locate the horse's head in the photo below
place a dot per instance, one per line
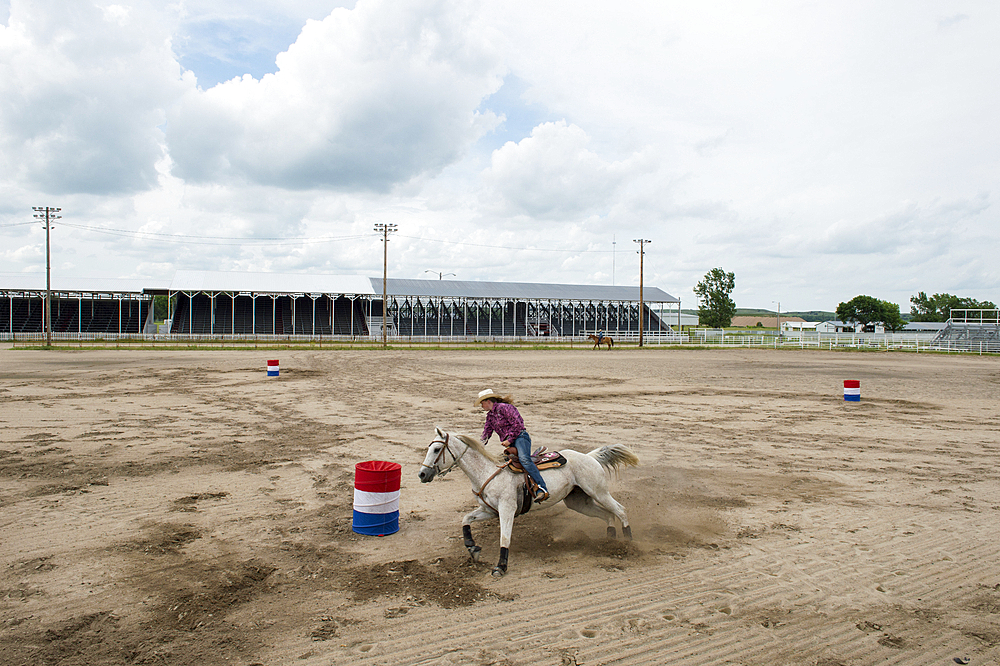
(437, 451)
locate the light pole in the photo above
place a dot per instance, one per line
(642, 253)
(385, 230)
(439, 274)
(779, 317)
(47, 214)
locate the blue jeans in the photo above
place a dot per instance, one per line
(523, 444)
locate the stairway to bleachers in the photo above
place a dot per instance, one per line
(29, 312)
(194, 315)
(304, 320)
(346, 312)
(99, 316)
(64, 315)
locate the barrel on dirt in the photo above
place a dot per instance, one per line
(272, 368)
(852, 390)
(376, 497)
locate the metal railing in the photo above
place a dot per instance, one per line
(711, 338)
(991, 317)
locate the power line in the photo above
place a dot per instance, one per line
(506, 247)
(190, 239)
(186, 239)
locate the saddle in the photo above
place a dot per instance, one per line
(543, 459)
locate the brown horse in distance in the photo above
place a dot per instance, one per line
(605, 341)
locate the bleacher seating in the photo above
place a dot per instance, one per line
(71, 315)
(562, 320)
(265, 315)
(969, 336)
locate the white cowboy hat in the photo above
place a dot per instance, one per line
(486, 395)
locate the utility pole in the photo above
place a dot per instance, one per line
(613, 259)
(642, 253)
(385, 230)
(47, 214)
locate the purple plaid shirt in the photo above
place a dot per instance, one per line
(505, 421)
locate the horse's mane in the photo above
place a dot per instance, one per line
(477, 446)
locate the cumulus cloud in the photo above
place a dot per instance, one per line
(366, 98)
(554, 174)
(68, 121)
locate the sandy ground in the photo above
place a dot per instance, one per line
(182, 508)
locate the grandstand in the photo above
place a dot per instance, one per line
(221, 304)
(971, 330)
(81, 307)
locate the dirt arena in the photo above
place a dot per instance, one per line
(182, 508)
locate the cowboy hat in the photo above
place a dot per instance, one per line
(486, 394)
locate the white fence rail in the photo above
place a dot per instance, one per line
(918, 342)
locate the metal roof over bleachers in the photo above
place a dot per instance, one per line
(271, 283)
(86, 285)
(301, 283)
(236, 282)
(519, 290)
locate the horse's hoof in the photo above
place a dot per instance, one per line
(628, 532)
(474, 553)
(498, 572)
(612, 533)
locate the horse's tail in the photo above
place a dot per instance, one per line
(613, 456)
(611, 342)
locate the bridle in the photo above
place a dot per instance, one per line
(454, 461)
(439, 459)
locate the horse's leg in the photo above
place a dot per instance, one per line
(605, 500)
(507, 510)
(471, 517)
(583, 503)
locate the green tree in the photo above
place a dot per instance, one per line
(939, 306)
(866, 310)
(860, 310)
(715, 307)
(891, 318)
(160, 307)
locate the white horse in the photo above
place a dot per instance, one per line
(582, 484)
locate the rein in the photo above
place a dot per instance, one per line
(455, 460)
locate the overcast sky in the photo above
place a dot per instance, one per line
(818, 150)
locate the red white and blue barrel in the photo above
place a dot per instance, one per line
(272, 368)
(376, 497)
(852, 390)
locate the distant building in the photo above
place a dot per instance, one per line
(796, 324)
(837, 326)
(762, 321)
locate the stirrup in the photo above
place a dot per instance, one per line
(541, 495)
